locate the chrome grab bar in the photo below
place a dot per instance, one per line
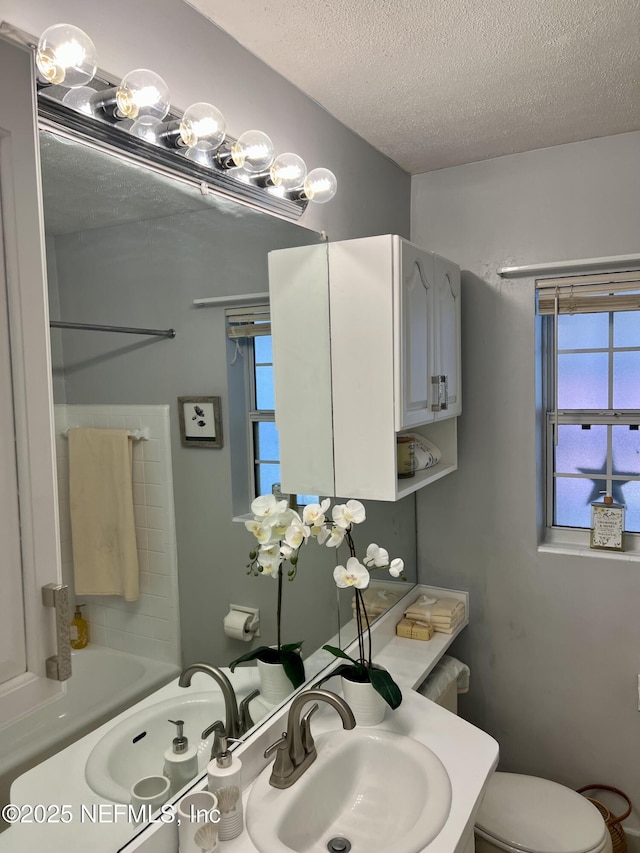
(58, 666)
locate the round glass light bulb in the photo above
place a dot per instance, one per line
(142, 93)
(252, 151)
(79, 99)
(146, 127)
(202, 153)
(202, 122)
(66, 56)
(288, 171)
(320, 185)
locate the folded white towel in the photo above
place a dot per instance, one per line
(443, 609)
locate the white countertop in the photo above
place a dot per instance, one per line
(469, 755)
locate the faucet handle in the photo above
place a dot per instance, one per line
(246, 720)
(305, 726)
(282, 766)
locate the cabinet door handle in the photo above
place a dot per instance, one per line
(439, 393)
(58, 666)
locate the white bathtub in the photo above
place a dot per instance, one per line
(104, 683)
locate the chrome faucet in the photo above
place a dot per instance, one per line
(232, 725)
(295, 750)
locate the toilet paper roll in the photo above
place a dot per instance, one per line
(236, 625)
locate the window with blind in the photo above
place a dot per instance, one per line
(250, 328)
(592, 394)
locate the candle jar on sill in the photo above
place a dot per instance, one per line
(607, 525)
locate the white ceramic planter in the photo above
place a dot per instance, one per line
(367, 704)
(275, 687)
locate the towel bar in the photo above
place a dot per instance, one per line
(136, 434)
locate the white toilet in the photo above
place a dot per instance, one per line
(526, 814)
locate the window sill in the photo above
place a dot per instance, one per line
(576, 550)
(248, 516)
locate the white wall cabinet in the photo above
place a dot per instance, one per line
(389, 339)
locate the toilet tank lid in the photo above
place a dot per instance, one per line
(539, 816)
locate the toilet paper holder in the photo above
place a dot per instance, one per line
(249, 617)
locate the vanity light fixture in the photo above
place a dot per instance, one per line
(66, 56)
(139, 106)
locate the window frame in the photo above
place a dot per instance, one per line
(255, 416)
(565, 535)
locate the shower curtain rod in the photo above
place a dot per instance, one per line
(127, 330)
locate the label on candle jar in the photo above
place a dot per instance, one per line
(406, 453)
(607, 526)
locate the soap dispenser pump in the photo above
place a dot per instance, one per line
(224, 780)
(180, 760)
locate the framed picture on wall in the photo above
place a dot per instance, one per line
(200, 421)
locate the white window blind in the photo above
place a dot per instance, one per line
(251, 321)
(589, 294)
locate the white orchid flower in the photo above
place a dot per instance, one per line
(344, 515)
(261, 530)
(296, 533)
(376, 556)
(313, 514)
(281, 521)
(354, 574)
(286, 550)
(266, 505)
(396, 567)
(336, 537)
(270, 559)
(320, 533)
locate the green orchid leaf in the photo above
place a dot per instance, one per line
(340, 654)
(293, 665)
(345, 669)
(385, 685)
(292, 647)
(254, 654)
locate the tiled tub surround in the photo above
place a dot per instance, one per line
(150, 626)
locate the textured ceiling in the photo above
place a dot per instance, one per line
(436, 83)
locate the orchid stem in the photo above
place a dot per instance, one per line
(279, 611)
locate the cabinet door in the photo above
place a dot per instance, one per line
(446, 334)
(416, 292)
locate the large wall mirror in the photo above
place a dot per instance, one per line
(129, 246)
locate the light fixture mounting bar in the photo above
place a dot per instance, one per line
(54, 112)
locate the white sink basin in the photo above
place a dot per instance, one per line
(380, 790)
(136, 746)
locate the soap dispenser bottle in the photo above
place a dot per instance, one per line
(224, 780)
(79, 630)
(180, 760)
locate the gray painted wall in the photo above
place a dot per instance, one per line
(201, 63)
(553, 640)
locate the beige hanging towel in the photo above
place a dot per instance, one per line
(103, 534)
